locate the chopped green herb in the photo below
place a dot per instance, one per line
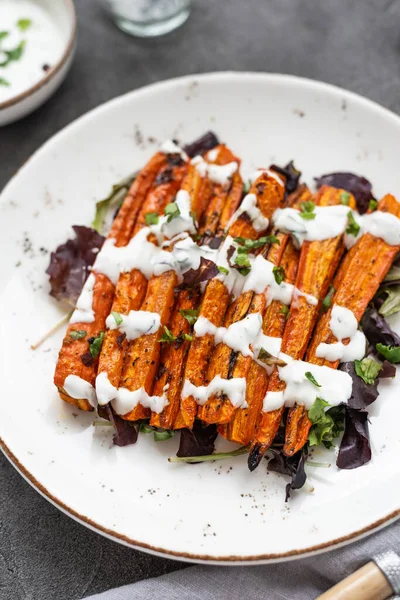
(345, 198)
(78, 334)
(279, 274)
(311, 378)
(327, 425)
(391, 353)
(14, 54)
(208, 457)
(4, 34)
(327, 301)
(172, 211)
(189, 315)
(253, 244)
(117, 317)
(144, 428)
(24, 24)
(245, 271)
(223, 270)
(162, 436)
(353, 227)
(96, 344)
(151, 218)
(367, 369)
(167, 336)
(242, 260)
(373, 205)
(285, 310)
(268, 359)
(187, 337)
(307, 210)
(4, 82)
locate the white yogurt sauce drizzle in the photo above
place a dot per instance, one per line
(179, 225)
(124, 400)
(78, 388)
(219, 174)
(83, 312)
(309, 297)
(249, 206)
(136, 323)
(234, 389)
(212, 155)
(343, 325)
(380, 224)
(336, 386)
(170, 147)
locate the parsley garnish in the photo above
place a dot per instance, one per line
(187, 337)
(367, 369)
(117, 317)
(307, 210)
(4, 82)
(24, 24)
(96, 344)
(279, 274)
(4, 34)
(311, 378)
(243, 261)
(267, 358)
(151, 218)
(373, 205)
(167, 336)
(327, 301)
(248, 244)
(189, 315)
(223, 270)
(78, 334)
(353, 227)
(345, 198)
(391, 353)
(172, 211)
(14, 54)
(285, 310)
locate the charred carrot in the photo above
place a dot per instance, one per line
(72, 350)
(216, 298)
(356, 282)
(318, 259)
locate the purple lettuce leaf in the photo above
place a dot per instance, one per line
(206, 270)
(199, 441)
(206, 142)
(359, 186)
(289, 465)
(70, 264)
(377, 330)
(363, 394)
(355, 449)
(291, 174)
(125, 432)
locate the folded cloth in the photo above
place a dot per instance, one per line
(302, 579)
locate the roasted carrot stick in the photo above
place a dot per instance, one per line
(317, 262)
(356, 282)
(172, 360)
(69, 360)
(216, 298)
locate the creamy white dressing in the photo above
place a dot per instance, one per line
(45, 41)
(261, 279)
(83, 312)
(249, 206)
(234, 389)
(220, 174)
(124, 400)
(343, 324)
(212, 155)
(329, 222)
(380, 224)
(170, 147)
(335, 386)
(309, 297)
(136, 323)
(78, 388)
(183, 223)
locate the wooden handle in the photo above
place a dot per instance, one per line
(368, 583)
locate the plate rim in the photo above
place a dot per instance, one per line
(228, 560)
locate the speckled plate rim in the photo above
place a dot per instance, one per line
(69, 49)
(339, 93)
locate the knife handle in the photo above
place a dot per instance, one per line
(368, 583)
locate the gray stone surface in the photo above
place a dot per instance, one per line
(43, 554)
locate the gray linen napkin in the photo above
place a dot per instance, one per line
(302, 579)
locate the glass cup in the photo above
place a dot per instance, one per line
(147, 18)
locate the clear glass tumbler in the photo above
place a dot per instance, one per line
(147, 18)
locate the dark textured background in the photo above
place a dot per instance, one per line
(44, 555)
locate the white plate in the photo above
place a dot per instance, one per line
(215, 512)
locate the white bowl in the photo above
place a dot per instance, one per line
(62, 15)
